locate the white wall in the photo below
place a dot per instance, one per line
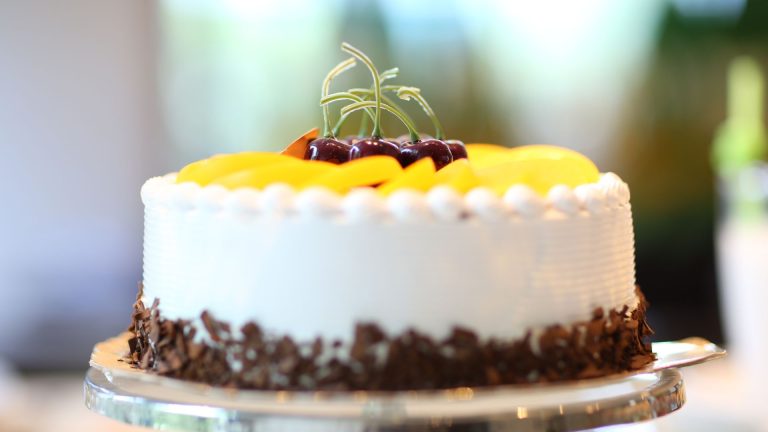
(78, 135)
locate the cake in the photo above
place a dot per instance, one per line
(368, 264)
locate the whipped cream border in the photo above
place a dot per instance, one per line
(441, 203)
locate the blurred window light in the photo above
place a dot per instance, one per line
(227, 83)
(728, 10)
(250, 10)
(240, 10)
(564, 68)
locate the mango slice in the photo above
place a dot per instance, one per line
(367, 171)
(419, 176)
(481, 151)
(203, 172)
(459, 175)
(294, 173)
(539, 167)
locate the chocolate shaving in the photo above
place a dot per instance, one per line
(611, 342)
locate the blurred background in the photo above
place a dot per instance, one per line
(96, 96)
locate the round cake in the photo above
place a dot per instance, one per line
(345, 264)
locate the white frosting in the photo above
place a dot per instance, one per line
(363, 204)
(212, 198)
(522, 200)
(563, 199)
(591, 197)
(312, 263)
(615, 190)
(445, 203)
(409, 206)
(483, 203)
(277, 199)
(317, 203)
(246, 201)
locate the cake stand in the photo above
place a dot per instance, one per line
(114, 389)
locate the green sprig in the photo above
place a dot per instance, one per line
(408, 93)
(386, 75)
(337, 70)
(367, 92)
(414, 135)
(376, 132)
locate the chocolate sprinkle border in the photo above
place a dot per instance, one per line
(613, 342)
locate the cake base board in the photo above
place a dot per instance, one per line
(117, 390)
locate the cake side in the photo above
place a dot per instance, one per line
(306, 273)
(610, 342)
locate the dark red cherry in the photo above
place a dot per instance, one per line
(435, 149)
(352, 139)
(406, 138)
(374, 147)
(328, 150)
(458, 149)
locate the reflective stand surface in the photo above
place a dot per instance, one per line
(114, 389)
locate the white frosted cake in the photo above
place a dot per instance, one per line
(365, 263)
(312, 263)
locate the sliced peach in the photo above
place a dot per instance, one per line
(298, 148)
(420, 176)
(540, 167)
(480, 150)
(367, 171)
(451, 169)
(205, 171)
(294, 173)
(459, 175)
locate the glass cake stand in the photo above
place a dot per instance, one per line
(114, 389)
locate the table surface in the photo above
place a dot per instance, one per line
(716, 402)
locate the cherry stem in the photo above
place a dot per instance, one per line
(363, 125)
(343, 119)
(385, 99)
(376, 132)
(408, 93)
(397, 113)
(386, 75)
(340, 96)
(389, 74)
(338, 69)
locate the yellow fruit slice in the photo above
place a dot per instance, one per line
(205, 171)
(451, 169)
(477, 151)
(291, 173)
(420, 176)
(459, 175)
(367, 171)
(540, 167)
(485, 159)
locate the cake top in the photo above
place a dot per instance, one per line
(414, 161)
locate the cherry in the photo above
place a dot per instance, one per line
(436, 149)
(406, 138)
(352, 139)
(458, 150)
(329, 150)
(374, 146)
